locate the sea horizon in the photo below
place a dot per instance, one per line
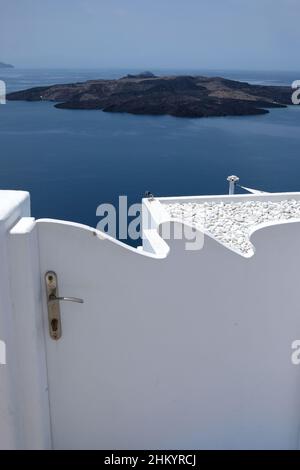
(278, 77)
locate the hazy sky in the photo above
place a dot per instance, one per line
(239, 34)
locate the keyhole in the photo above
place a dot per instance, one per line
(54, 325)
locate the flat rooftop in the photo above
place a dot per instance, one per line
(232, 222)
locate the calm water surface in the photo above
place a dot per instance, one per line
(71, 161)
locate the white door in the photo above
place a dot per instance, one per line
(160, 355)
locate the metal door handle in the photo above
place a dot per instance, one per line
(53, 300)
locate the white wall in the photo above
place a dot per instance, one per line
(24, 405)
(171, 348)
(32, 391)
(13, 205)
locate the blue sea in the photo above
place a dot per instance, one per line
(72, 161)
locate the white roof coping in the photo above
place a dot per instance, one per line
(10, 201)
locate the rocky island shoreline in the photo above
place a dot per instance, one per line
(181, 96)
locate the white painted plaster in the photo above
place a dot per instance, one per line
(171, 348)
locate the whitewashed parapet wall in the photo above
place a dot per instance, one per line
(172, 348)
(24, 409)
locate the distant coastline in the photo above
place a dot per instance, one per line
(6, 66)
